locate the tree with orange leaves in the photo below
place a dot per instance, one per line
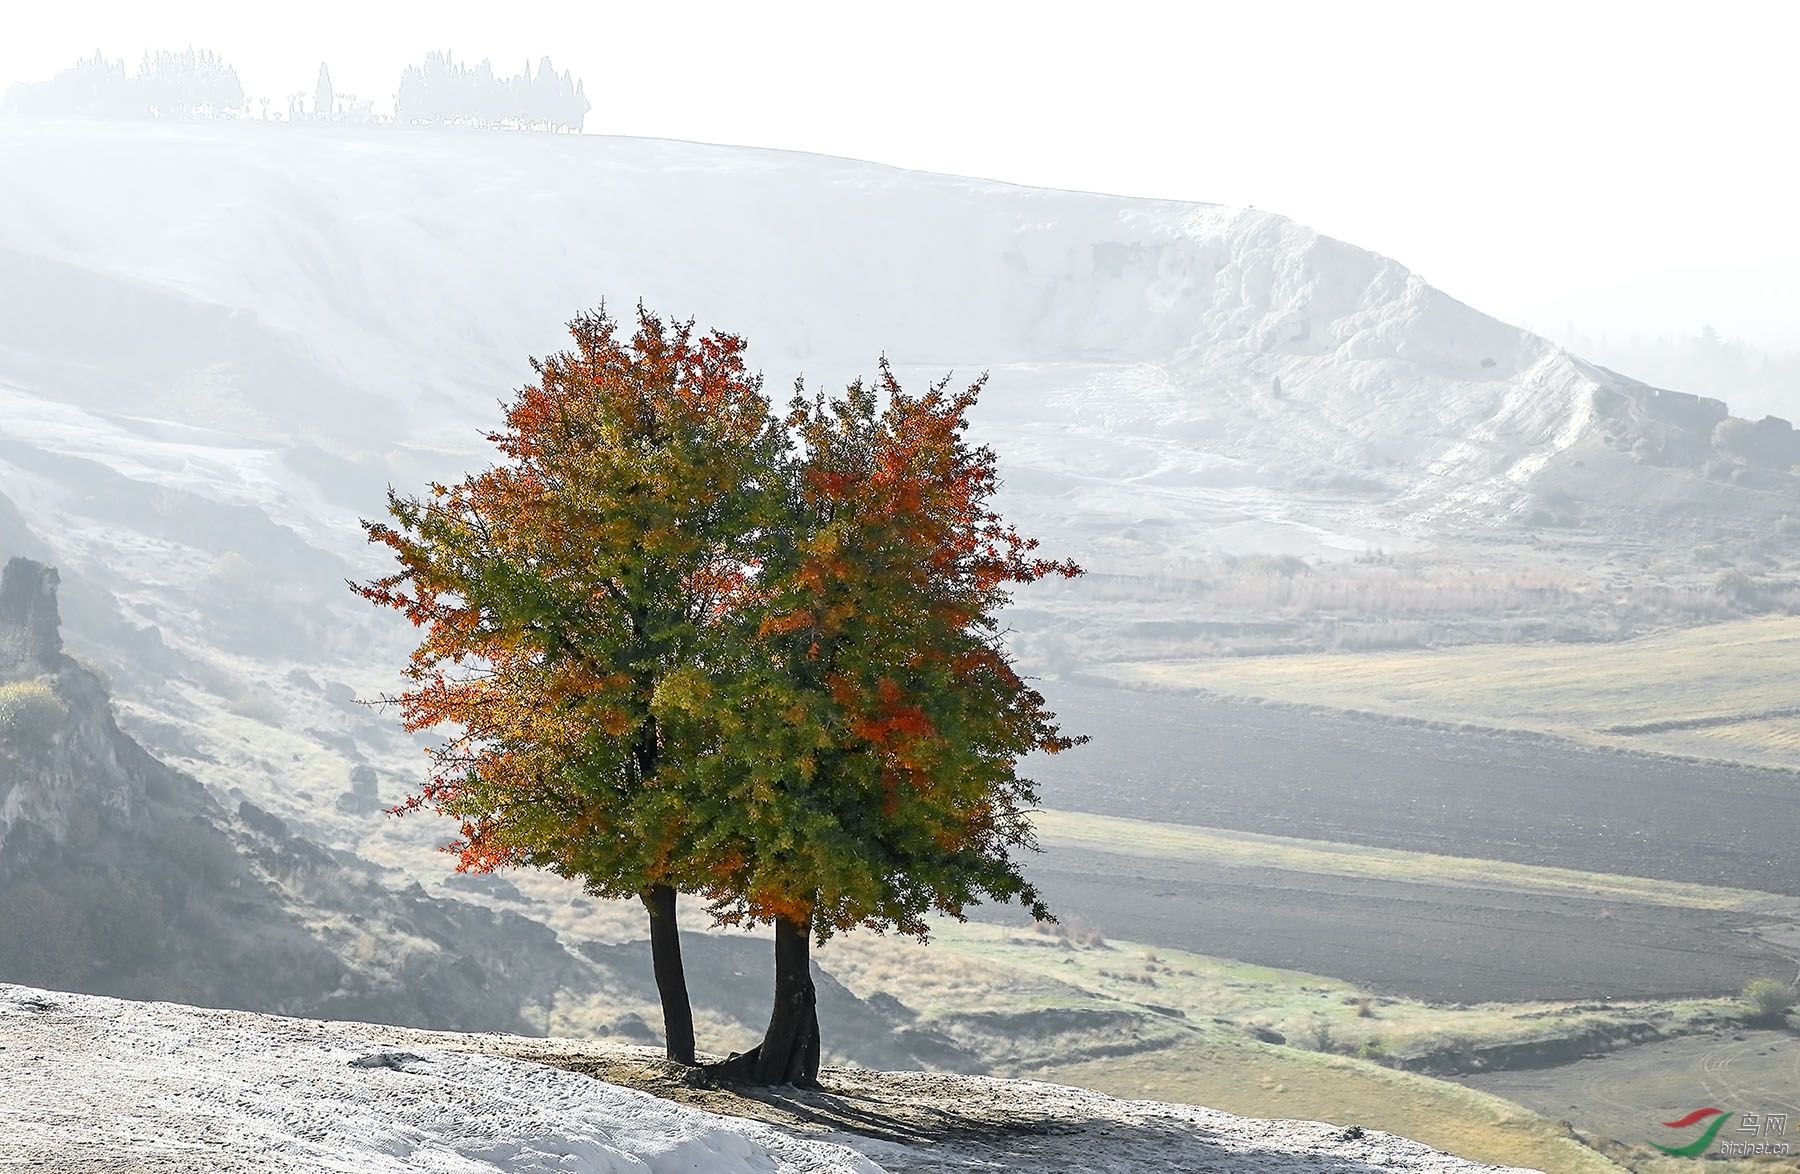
(567, 595)
(872, 735)
(686, 647)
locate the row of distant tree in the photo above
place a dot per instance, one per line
(1752, 380)
(195, 85)
(443, 91)
(167, 85)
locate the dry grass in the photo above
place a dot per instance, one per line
(1227, 999)
(1260, 1081)
(930, 978)
(1735, 674)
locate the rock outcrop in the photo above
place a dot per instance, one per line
(30, 631)
(121, 876)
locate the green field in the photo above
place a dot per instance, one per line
(1729, 691)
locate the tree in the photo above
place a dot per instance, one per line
(679, 654)
(569, 595)
(444, 91)
(169, 85)
(324, 99)
(875, 731)
(1735, 437)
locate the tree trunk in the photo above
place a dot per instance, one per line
(671, 980)
(789, 1052)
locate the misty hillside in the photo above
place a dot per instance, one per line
(325, 309)
(210, 372)
(120, 876)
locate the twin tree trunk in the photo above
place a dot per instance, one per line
(789, 1052)
(665, 938)
(671, 980)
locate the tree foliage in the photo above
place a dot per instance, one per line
(683, 645)
(568, 596)
(873, 739)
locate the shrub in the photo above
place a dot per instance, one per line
(98, 670)
(1734, 436)
(1735, 584)
(1284, 566)
(30, 709)
(1769, 1000)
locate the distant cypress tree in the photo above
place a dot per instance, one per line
(578, 110)
(546, 97)
(324, 99)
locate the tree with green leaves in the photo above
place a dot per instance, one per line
(687, 647)
(567, 594)
(875, 730)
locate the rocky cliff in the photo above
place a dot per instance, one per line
(120, 876)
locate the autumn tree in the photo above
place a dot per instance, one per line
(682, 646)
(567, 596)
(875, 725)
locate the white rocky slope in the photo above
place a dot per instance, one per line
(96, 1085)
(278, 290)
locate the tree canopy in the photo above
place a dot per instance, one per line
(684, 645)
(873, 741)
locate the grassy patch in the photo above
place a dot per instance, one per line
(1213, 1059)
(1220, 846)
(1734, 679)
(30, 710)
(1221, 999)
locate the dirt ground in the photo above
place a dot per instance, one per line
(908, 1108)
(1627, 1094)
(1460, 792)
(929, 1121)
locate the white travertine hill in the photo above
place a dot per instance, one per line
(97, 1083)
(220, 344)
(359, 291)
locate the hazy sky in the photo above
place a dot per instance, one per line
(1630, 167)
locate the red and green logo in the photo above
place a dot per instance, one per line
(1698, 1146)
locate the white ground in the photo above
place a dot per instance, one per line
(100, 1085)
